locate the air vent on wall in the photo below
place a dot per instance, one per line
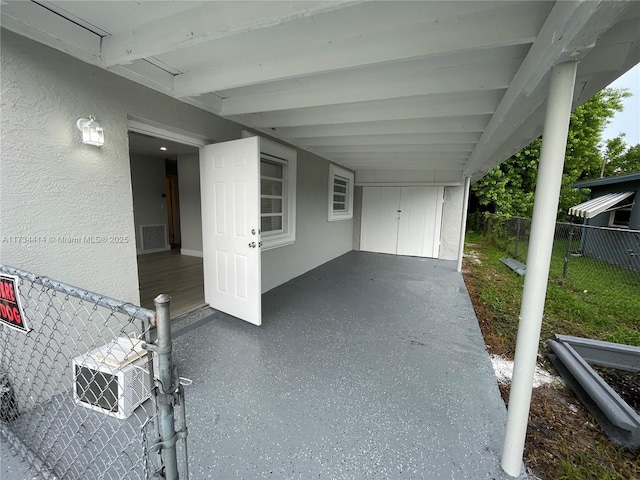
(154, 237)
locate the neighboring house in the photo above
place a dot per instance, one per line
(614, 202)
(374, 118)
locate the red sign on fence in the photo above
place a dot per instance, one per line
(11, 312)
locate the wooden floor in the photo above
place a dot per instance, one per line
(169, 272)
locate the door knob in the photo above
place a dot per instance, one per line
(252, 245)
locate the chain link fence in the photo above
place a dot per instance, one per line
(78, 395)
(586, 259)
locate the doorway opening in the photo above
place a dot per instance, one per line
(165, 182)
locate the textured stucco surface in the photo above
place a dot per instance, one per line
(370, 366)
(451, 216)
(53, 186)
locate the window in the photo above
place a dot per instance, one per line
(340, 193)
(620, 218)
(272, 196)
(277, 194)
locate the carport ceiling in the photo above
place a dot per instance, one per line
(448, 87)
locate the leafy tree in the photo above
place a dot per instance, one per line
(509, 188)
(619, 158)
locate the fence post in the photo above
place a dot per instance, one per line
(567, 254)
(166, 388)
(515, 253)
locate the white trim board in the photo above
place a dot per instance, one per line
(139, 251)
(154, 129)
(190, 253)
(408, 184)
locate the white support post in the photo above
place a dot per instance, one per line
(554, 144)
(463, 222)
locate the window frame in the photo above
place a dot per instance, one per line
(338, 172)
(612, 216)
(288, 157)
(283, 197)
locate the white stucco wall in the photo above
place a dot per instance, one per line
(451, 216)
(190, 209)
(148, 185)
(317, 239)
(357, 217)
(54, 186)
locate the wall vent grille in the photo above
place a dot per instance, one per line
(154, 237)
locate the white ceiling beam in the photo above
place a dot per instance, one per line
(605, 78)
(400, 156)
(424, 106)
(606, 58)
(413, 139)
(38, 23)
(389, 164)
(207, 22)
(625, 32)
(500, 26)
(147, 74)
(463, 78)
(475, 123)
(465, 148)
(436, 160)
(401, 69)
(569, 33)
(208, 101)
(526, 132)
(373, 177)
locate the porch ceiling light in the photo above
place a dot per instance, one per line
(92, 132)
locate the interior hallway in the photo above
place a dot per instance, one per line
(370, 366)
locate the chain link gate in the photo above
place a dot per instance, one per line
(86, 391)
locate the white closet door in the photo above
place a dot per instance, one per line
(402, 220)
(379, 231)
(420, 221)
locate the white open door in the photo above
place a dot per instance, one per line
(230, 185)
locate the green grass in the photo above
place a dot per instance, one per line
(595, 300)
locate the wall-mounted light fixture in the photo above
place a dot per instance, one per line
(92, 132)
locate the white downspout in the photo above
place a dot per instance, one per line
(554, 144)
(463, 222)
